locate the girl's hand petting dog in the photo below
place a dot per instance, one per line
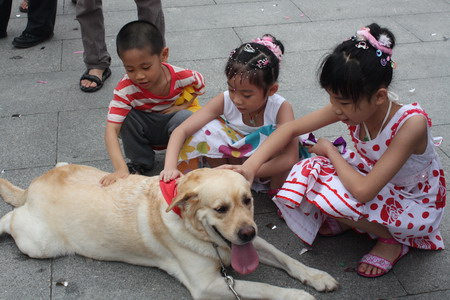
(167, 175)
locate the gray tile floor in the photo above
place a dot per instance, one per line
(60, 123)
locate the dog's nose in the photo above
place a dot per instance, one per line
(247, 233)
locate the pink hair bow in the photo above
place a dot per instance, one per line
(365, 32)
(268, 42)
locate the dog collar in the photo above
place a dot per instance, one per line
(169, 191)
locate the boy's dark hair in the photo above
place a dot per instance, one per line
(140, 35)
(356, 72)
(261, 66)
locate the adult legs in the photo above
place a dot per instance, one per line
(41, 17)
(89, 14)
(151, 11)
(5, 12)
(40, 25)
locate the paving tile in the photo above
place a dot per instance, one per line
(21, 276)
(42, 58)
(439, 295)
(427, 27)
(52, 92)
(348, 9)
(91, 279)
(430, 93)
(28, 141)
(233, 15)
(185, 47)
(409, 67)
(80, 136)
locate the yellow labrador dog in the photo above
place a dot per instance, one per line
(66, 211)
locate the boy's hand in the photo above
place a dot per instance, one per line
(241, 170)
(169, 174)
(111, 178)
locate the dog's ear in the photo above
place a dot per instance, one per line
(181, 198)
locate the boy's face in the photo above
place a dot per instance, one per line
(143, 68)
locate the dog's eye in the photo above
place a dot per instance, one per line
(222, 209)
(247, 201)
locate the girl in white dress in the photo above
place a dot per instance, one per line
(251, 110)
(392, 186)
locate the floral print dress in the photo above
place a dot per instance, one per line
(229, 137)
(410, 206)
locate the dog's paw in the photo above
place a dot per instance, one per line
(294, 294)
(321, 281)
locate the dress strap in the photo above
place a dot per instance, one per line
(382, 123)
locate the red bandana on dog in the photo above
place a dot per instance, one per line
(169, 191)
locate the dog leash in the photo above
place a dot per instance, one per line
(228, 279)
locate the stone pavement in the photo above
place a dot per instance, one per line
(45, 118)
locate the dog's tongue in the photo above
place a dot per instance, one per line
(244, 258)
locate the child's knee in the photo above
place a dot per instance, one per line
(178, 118)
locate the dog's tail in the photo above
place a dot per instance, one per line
(11, 193)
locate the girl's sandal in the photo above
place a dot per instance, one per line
(380, 262)
(334, 226)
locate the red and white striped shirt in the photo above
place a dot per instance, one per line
(128, 95)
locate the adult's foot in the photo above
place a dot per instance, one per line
(27, 40)
(92, 80)
(89, 83)
(388, 251)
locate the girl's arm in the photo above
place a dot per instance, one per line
(112, 145)
(288, 156)
(210, 111)
(284, 135)
(410, 139)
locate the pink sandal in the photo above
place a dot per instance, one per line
(334, 226)
(380, 262)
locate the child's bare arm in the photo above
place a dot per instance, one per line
(210, 111)
(288, 156)
(285, 134)
(113, 147)
(410, 139)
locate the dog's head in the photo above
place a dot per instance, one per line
(217, 206)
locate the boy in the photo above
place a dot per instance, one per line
(143, 109)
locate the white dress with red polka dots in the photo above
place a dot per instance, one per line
(411, 205)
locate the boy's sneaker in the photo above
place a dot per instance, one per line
(139, 169)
